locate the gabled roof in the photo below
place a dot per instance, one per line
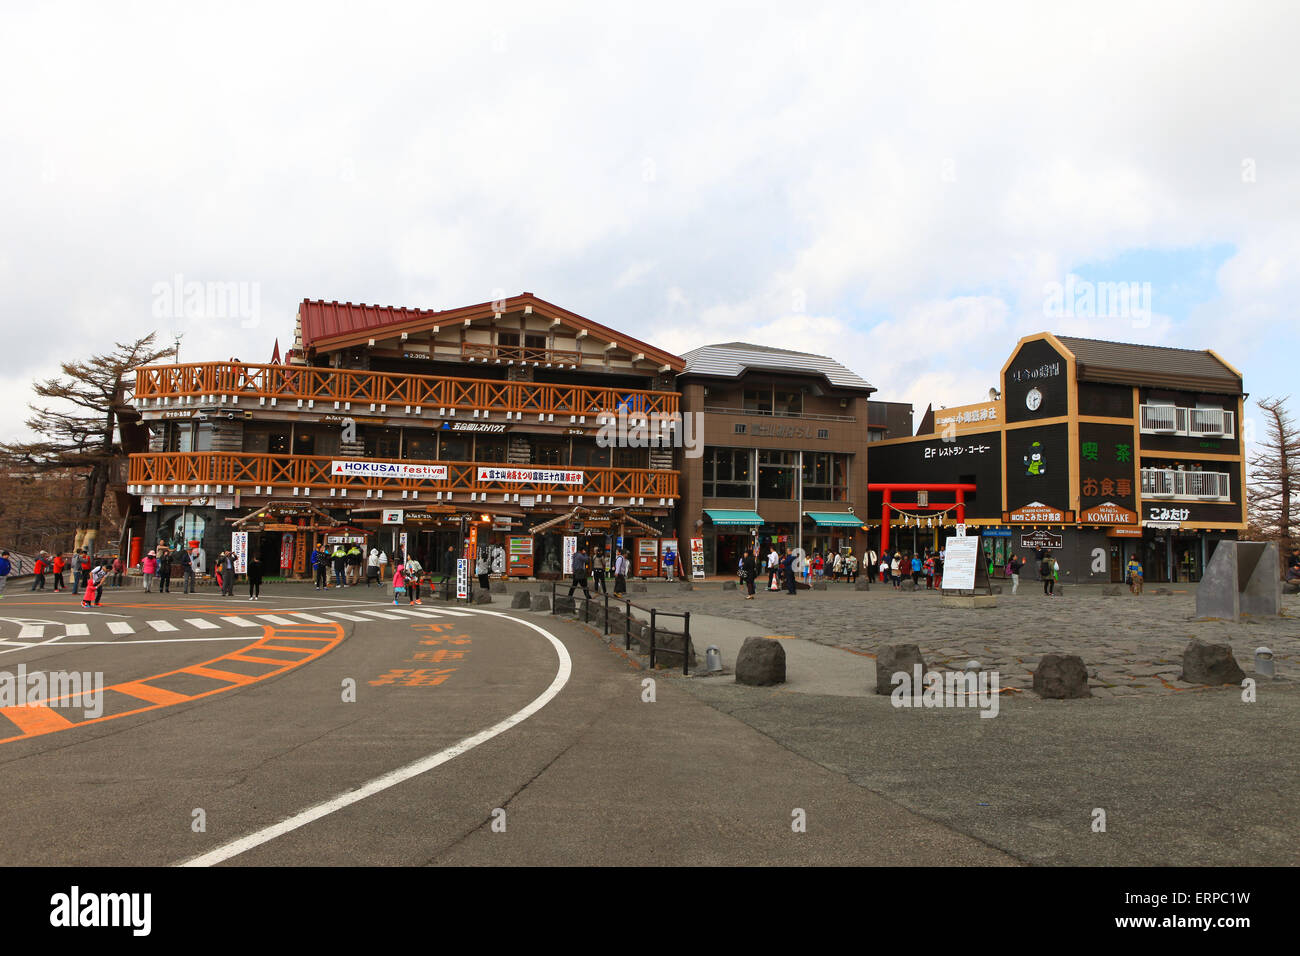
(1153, 366)
(333, 325)
(733, 359)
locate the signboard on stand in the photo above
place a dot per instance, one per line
(697, 557)
(401, 543)
(570, 547)
(462, 578)
(960, 559)
(239, 548)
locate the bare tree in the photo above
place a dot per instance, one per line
(80, 436)
(1271, 501)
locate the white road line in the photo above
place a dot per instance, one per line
(239, 621)
(32, 630)
(275, 620)
(399, 610)
(161, 625)
(381, 614)
(402, 774)
(120, 627)
(444, 612)
(347, 617)
(311, 617)
(78, 630)
(147, 640)
(202, 623)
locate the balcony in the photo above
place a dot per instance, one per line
(315, 477)
(1200, 485)
(243, 385)
(1188, 422)
(518, 354)
(765, 413)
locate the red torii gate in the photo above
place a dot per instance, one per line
(889, 487)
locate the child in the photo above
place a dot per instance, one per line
(399, 581)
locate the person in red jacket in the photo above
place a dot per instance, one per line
(58, 564)
(38, 573)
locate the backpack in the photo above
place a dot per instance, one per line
(1045, 569)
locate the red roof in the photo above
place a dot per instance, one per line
(327, 325)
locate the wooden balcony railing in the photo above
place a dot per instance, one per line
(486, 352)
(215, 380)
(281, 474)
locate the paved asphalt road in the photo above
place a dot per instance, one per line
(234, 712)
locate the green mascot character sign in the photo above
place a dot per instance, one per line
(1035, 463)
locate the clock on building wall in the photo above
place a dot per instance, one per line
(1033, 399)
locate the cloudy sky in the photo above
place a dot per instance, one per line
(896, 185)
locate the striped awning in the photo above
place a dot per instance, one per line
(734, 517)
(834, 519)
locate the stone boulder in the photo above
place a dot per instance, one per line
(1061, 677)
(564, 605)
(540, 602)
(497, 587)
(482, 597)
(728, 585)
(523, 599)
(893, 658)
(862, 584)
(1210, 664)
(761, 662)
(668, 645)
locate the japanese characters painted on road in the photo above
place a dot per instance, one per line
(570, 547)
(392, 516)
(536, 476)
(959, 563)
(387, 469)
(697, 557)
(239, 548)
(462, 577)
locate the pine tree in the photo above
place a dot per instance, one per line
(79, 434)
(1272, 491)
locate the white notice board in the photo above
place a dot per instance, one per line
(959, 563)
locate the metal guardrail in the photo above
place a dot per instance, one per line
(628, 605)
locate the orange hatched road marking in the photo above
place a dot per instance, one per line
(33, 721)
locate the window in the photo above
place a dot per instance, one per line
(420, 446)
(203, 437)
(825, 476)
(740, 428)
(590, 455)
(728, 473)
(490, 449)
(453, 449)
(534, 341)
(776, 474)
(629, 458)
(277, 443)
(758, 400)
(304, 443)
(508, 339)
(550, 453)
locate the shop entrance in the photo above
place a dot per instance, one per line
(729, 550)
(1187, 560)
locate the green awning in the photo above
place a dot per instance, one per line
(734, 517)
(835, 519)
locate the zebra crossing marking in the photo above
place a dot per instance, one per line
(120, 627)
(161, 625)
(201, 623)
(240, 622)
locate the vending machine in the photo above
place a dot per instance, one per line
(647, 557)
(520, 557)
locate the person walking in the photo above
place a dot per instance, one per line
(1014, 564)
(871, 564)
(58, 564)
(917, 571)
(320, 566)
(621, 565)
(1045, 572)
(482, 569)
(38, 573)
(670, 563)
(1133, 571)
(187, 571)
(339, 559)
(448, 565)
(580, 563)
(928, 565)
(6, 568)
(896, 571)
(412, 571)
(789, 571)
(749, 571)
(399, 582)
(938, 571)
(254, 577)
(598, 570)
(372, 568)
(165, 571)
(353, 565)
(149, 567)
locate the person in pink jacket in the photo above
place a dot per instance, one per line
(399, 581)
(150, 567)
